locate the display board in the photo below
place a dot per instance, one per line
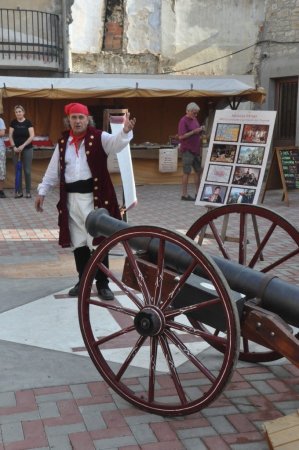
(288, 160)
(284, 171)
(236, 158)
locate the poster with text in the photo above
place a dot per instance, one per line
(236, 158)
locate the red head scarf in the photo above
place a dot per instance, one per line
(76, 108)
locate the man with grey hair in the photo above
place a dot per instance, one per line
(189, 131)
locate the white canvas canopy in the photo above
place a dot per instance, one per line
(162, 97)
(107, 86)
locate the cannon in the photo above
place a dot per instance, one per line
(184, 316)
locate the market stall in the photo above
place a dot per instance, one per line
(157, 101)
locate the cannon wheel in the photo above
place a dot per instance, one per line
(145, 348)
(252, 231)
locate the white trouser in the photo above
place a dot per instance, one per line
(79, 206)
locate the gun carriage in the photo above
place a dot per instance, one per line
(183, 317)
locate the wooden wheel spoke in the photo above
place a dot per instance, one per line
(181, 281)
(218, 240)
(245, 345)
(187, 309)
(182, 347)
(243, 238)
(113, 307)
(138, 274)
(205, 335)
(262, 245)
(130, 357)
(174, 375)
(281, 260)
(104, 339)
(160, 270)
(152, 373)
(123, 287)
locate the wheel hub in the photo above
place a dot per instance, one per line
(149, 321)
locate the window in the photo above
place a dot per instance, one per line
(286, 90)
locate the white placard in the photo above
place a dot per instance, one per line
(124, 162)
(237, 156)
(168, 160)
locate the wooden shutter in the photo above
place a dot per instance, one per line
(286, 92)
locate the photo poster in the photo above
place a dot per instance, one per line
(236, 158)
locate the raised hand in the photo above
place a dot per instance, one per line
(129, 123)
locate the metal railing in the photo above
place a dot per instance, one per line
(30, 35)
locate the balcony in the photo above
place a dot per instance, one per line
(30, 40)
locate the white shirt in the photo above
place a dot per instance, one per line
(76, 167)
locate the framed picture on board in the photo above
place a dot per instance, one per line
(257, 134)
(251, 155)
(218, 173)
(213, 193)
(223, 153)
(241, 195)
(246, 176)
(227, 132)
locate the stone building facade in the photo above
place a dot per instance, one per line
(176, 36)
(196, 37)
(278, 67)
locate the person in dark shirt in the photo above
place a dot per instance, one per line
(21, 134)
(189, 131)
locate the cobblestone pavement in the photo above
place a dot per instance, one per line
(84, 413)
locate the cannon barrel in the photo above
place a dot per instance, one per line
(275, 294)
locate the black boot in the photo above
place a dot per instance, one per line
(82, 255)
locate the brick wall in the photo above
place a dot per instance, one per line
(113, 36)
(113, 27)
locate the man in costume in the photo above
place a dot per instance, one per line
(79, 166)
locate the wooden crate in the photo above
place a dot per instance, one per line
(283, 433)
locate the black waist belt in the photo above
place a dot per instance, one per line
(81, 187)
